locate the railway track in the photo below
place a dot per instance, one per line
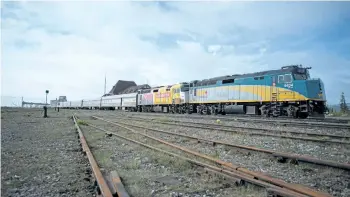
(305, 136)
(108, 185)
(293, 123)
(309, 119)
(235, 172)
(304, 158)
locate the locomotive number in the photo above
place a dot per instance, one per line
(288, 85)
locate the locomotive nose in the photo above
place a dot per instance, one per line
(316, 89)
(322, 93)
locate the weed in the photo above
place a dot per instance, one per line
(82, 122)
(163, 119)
(250, 190)
(164, 159)
(216, 154)
(103, 156)
(133, 165)
(182, 165)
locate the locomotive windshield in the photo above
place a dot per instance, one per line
(301, 74)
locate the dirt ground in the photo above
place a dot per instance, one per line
(41, 156)
(327, 179)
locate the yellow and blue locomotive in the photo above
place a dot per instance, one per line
(288, 91)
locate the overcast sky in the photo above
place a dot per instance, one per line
(67, 47)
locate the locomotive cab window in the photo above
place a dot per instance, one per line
(228, 81)
(281, 79)
(300, 77)
(288, 78)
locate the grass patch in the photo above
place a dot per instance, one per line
(251, 191)
(163, 119)
(82, 122)
(133, 165)
(339, 114)
(167, 160)
(216, 154)
(103, 157)
(182, 165)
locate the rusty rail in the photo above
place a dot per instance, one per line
(251, 133)
(303, 158)
(294, 187)
(277, 193)
(97, 173)
(280, 122)
(235, 175)
(252, 128)
(118, 185)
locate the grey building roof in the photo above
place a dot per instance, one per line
(120, 86)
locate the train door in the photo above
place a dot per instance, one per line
(139, 98)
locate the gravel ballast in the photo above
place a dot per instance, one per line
(314, 176)
(146, 172)
(326, 151)
(41, 156)
(331, 180)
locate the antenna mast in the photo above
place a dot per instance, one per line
(105, 84)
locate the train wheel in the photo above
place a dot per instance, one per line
(303, 115)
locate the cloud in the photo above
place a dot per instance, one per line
(68, 47)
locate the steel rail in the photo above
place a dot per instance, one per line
(236, 176)
(294, 187)
(304, 158)
(255, 133)
(252, 128)
(291, 123)
(259, 118)
(118, 185)
(106, 192)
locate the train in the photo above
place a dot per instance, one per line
(288, 91)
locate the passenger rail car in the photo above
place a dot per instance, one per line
(288, 91)
(111, 102)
